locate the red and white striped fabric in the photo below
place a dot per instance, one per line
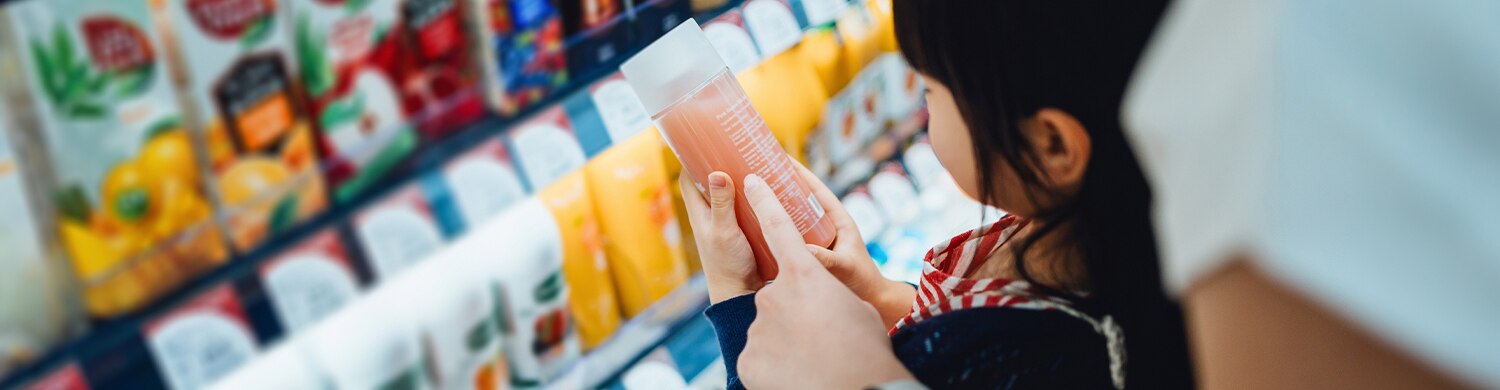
(943, 287)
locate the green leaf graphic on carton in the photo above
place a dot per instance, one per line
(73, 204)
(550, 289)
(284, 215)
(257, 32)
(317, 72)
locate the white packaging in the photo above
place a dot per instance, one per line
(286, 366)
(453, 309)
(520, 256)
(368, 346)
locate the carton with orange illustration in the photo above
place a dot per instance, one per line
(643, 236)
(134, 217)
(593, 302)
(232, 60)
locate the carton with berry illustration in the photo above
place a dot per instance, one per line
(133, 212)
(381, 76)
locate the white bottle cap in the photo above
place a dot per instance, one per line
(673, 66)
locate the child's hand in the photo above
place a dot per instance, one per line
(850, 262)
(728, 263)
(809, 331)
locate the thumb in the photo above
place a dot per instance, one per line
(721, 198)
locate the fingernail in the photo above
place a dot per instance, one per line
(717, 181)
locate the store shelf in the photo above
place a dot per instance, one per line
(114, 352)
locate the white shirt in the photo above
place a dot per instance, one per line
(1352, 148)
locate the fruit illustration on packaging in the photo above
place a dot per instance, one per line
(133, 214)
(244, 182)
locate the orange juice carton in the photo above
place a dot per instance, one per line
(203, 340)
(134, 214)
(593, 299)
(232, 60)
(709, 122)
(398, 232)
(643, 239)
(311, 280)
(546, 147)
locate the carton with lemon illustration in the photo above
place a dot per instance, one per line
(133, 215)
(232, 61)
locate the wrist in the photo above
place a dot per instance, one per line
(722, 290)
(894, 300)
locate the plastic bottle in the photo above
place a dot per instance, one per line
(711, 125)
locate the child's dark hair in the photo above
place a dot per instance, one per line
(1004, 60)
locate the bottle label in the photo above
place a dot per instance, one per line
(620, 108)
(310, 281)
(748, 134)
(483, 183)
(203, 341)
(732, 42)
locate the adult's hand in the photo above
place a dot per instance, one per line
(810, 331)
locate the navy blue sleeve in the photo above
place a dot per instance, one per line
(1004, 348)
(731, 320)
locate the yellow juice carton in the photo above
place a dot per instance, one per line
(593, 299)
(232, 60)
(787, 92)
(642, 234)
(134, 216)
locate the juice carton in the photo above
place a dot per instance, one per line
(310, 281)
(818, 12)
(821, 48)
(38, 306)
(904, 93)
(643, 238)
(885, 25)
(521, 255)
(203, 340)
(652, 18)
(286, 366)
(67, 377)
(483, 182)
(596, 31)
(732, 41)
(398, 232)
(593, 300)
(522, 51)
(133, 213)
(546, 147)
(232, 60)
(378, 70)
(857, 31)
(773, 25)
(787, 92)
(370, 346)
(619, 108)
(452, 308)
(853, 118)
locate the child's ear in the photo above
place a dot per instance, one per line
(1062, 148)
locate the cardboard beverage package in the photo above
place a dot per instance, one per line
(546, 147)
(133, 212)
(378, 74)
(521, 48)
(310, 281)
(483, 182)
(398, 232)
(643, 239)
(595, 306)
(232, 61)
(521, 255)
(38, 306)
(203, 340)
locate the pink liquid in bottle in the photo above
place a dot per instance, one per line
(710, 124)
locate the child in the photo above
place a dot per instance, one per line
(1063, 293)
